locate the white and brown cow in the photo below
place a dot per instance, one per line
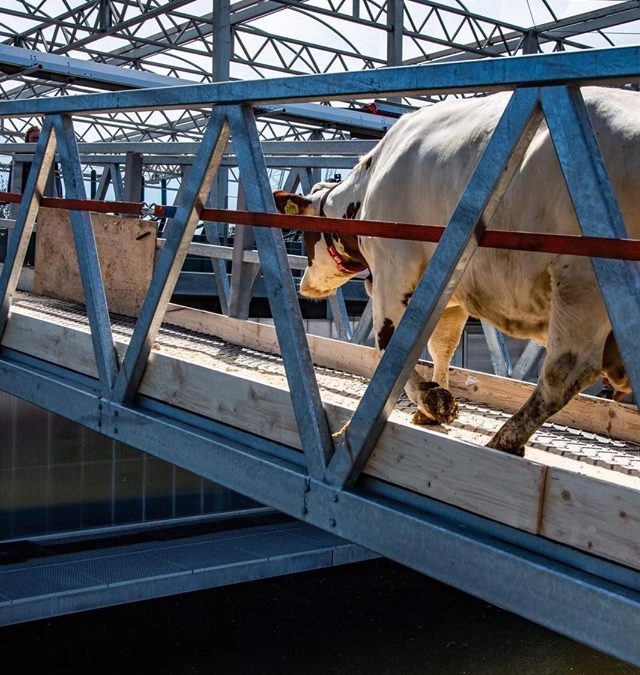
(416, 174)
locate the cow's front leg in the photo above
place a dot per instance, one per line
(435, 403)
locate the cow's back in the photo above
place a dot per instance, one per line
(421, 168)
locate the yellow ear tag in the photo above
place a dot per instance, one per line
(291, 208)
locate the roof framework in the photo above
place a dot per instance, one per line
(153, 40)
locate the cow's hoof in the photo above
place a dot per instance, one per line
(509, 449)
(420, 419)
(437, 404)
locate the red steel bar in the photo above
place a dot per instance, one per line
(95, 205)
(597, 247)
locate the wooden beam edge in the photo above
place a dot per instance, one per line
(596, 415)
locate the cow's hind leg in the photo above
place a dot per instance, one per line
(577, 335)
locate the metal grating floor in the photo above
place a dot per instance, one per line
(60, 584)
(476, 422)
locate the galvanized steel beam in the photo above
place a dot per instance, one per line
(598, 213)
(490, 179)
(615, 65)
(305, 395)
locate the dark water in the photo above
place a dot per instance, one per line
(370, 618)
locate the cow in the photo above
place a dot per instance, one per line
(416, 174)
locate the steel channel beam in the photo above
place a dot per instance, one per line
(25, 219)
(498, 352)
(494, 170)
(596, 207)
(191, 200)
(614, 65)
(87, 256)
(283, 300)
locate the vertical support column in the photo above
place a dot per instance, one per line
(17, 173)
(598, 214)
(243, 274)
(305, 396)
(220, 67)
(395, 25)
(191, 199)
(479, 200)
(87, 253)
(530, 43)
(133, 177)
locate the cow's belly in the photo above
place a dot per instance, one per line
(515, 298)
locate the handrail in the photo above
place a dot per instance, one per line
(563, 244)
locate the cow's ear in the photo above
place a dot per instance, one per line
(290, 203)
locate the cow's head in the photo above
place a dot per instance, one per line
(332, 259)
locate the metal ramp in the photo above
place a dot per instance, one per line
(63, 583)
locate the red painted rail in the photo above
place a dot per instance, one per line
(597, 247)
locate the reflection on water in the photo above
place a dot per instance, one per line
(372, 618)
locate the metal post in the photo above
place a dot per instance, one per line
(193, 194)
(495, 168)
(133, 177)
(307, 404)
(598, 213)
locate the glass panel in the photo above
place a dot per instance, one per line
(57, 476)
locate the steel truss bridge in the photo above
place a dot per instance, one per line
(555, 545)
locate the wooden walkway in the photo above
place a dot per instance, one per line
(578, 484)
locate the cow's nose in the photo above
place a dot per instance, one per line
(308, 290)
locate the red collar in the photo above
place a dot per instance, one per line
(344, 266)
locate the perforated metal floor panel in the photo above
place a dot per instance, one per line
(61, 584)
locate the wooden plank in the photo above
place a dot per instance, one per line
(126, 248)
(601, 416)
(465, 475)
(592, 515)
